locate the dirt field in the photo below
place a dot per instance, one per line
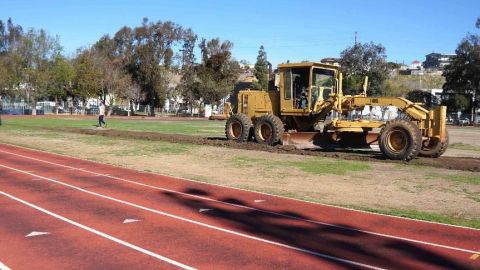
(456, 159)
(448, 187)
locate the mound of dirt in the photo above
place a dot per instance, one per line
(453, 163)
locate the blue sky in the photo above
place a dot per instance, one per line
(289, 30)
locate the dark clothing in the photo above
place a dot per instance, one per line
(101, 121)
(298, 88)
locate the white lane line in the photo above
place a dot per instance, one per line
(104, 235)
(233, 188)
(4, 267)
(311, 252)
(256, 209)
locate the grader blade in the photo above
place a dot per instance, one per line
(330, 140)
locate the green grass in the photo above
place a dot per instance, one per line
(420, 215)
(192, 127)
(328, 166)
(468, 179)
(462, 146)
(132, 147)
(128, 147)
(317, 166)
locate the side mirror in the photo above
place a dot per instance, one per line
(277, 80)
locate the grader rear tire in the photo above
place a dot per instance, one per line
(238, 128)
(434, 148)
(400, 139)
(268, 129)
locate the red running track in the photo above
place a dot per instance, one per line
(183, 224)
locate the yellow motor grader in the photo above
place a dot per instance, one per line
(308, 93)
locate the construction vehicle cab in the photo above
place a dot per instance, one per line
(308, 92)
(303, 85)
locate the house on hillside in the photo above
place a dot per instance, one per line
(415, 65)
(437, 61)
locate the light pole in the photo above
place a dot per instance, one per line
(1, 110)
(474, 111)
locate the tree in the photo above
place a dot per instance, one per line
(5, 76)
(393, 65)
(117, 83)
(10, 61)
(37, 51)
(88, 79)
(218, 72)
(261, 69)
(124, 48)
(189, 85)
(420, 96)
(61, 75)
(463, 74)
(368, 59)
(151, 59)
(455, 102)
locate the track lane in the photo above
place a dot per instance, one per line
(65, 247)
(187, 201)
(397, 228)
(192, 244)
(337, 242)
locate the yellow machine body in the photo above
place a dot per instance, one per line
(308, 92)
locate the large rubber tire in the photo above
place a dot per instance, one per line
(238, 128)
(433, 148)
(268, 129)
(400, 139)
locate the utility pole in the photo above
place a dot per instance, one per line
(473, 118)
(1, 110)
(355, 38)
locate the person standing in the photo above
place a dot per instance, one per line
(101, 115)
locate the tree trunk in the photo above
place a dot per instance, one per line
(152, 108)
(191, 106)
(83, 106)
(132, 108)
(56, 105)
(34, 107)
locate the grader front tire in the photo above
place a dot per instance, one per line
(238, 128)
(433, 148)
(268, 129)
(400, 139)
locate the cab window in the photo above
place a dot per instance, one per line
(323, 83)
(288, 84)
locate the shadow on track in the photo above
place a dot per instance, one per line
(342, 243)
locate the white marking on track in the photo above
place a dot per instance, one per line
(33, 234)
(4, 267)
(99, 233)
(201, 210)
(266, 211)
(311, 252)
(259, 201)
(130, 220)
